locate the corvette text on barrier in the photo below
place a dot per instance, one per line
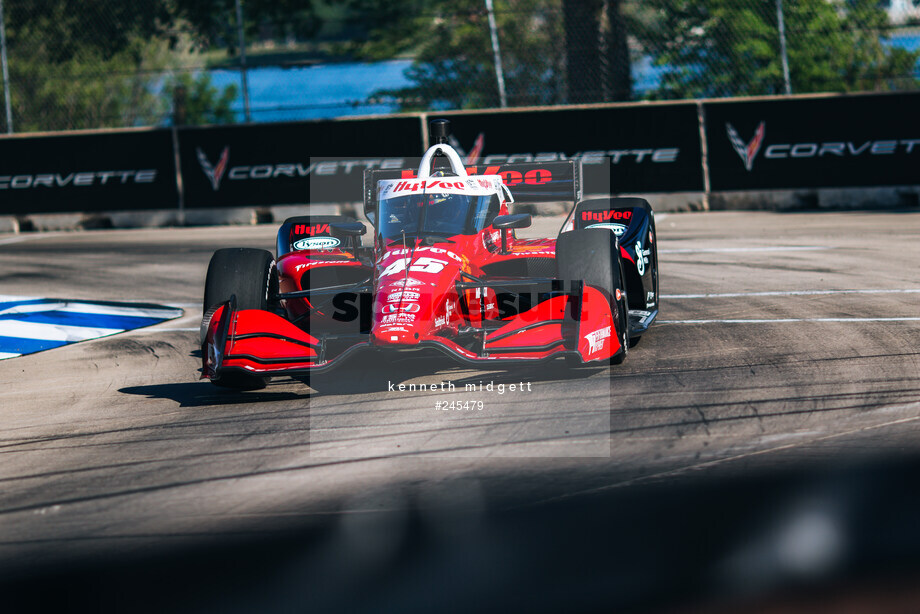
(446, 272)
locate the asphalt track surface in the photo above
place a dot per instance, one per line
(787, 345)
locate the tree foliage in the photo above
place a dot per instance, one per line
(552, 51)
(198, 101)
(453, 63)
(98, 63)
(715, 48)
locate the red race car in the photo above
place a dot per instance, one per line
(445, 272)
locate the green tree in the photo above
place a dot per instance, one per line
(596, 51)
(552, 51)
(97, 63)
(714, 48)
(453, 62)
(90, 89)
(197, 101)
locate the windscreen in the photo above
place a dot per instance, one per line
(438, 214)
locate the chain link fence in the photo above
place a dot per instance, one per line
(108, 63)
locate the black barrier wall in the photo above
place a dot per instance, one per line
(88, 172)
(765, 144)
(654, 148)
(844, 141)
(275, 164)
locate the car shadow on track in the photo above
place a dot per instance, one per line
(366, 374)
(203, 394)
(369, 374)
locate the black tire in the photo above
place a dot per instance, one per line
(247, 274)
(591, 255)
(622, 317)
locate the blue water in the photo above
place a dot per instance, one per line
(338, 90)
(315, 92)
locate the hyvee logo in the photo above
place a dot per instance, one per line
(747, 151)
(216, 172)
(779, 151)
(318, 229)
(604, 216)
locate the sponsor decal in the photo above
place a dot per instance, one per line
(47, 180)
(778, 151)
(406, 318)
(747, 151)
(537, 250)
(214, 172)
(394, 329)
(615, 156)
(644, 315)
(426, 250)
(490, 306)
(440, 321)
(640, 260)
(536, 176)
(413, 186)
(406, 283)
(597, 339)
(618, 229)
(317, 229)
(420, 265)
(619, 294)
(408, 308)
(604, 216)
(395, 297)
(316, 243)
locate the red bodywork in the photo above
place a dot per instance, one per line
(426, 295)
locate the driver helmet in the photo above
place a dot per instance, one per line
(448, 209)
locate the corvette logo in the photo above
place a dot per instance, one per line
(214, 173)
(747, 151)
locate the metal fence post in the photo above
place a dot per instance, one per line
(787, 86)
(496, 53)
(239, 28)
(6, 73)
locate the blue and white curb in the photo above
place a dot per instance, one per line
(33, 324)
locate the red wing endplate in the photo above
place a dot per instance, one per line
(256, 341)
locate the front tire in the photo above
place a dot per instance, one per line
(592, 255)
(248, 275)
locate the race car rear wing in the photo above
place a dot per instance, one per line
(529, 182)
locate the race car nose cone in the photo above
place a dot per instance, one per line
(394, 337)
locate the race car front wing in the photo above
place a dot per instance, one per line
(581, 324)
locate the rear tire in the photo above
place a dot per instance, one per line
(592, 255)
(247, 274)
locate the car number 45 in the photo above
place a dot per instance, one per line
(422, 265)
